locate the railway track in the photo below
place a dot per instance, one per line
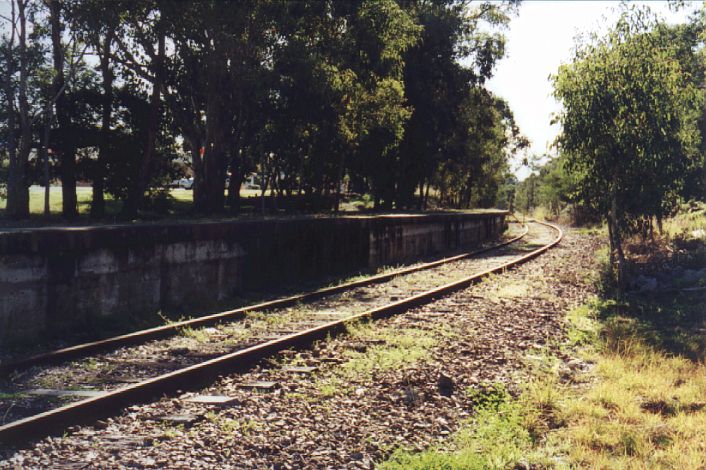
(189, 357)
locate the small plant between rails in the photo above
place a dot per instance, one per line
(195, 375)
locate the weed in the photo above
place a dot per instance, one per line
(488, 396)
(172, 432)
(583, 327)
(91, 363)
(330, 386)
(230, 425)
(401, 347)
(200, 335)
(495, 438)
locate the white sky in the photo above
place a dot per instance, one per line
(538, 41)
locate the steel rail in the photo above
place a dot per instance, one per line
(159, 332)
(198, 375)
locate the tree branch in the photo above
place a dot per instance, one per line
(72, 71)
(131, 62)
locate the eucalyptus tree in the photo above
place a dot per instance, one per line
(216, 56)
(66, 57)
(41, 71)
(460, 43)
(477, 154)
(97, 23)
(339, 102)
(382, 32)
(19, 51)
(629, 123)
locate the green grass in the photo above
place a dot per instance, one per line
(386, 349)
(690, 219)
(200, 335)
(401, 348)
(178, 202)
(230, 426)
(643, 405)
(498, 436)
(646, 407)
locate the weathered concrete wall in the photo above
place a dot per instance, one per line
(56, 279)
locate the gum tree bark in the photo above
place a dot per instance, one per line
(17, 187)
(65, 148)
(98, 200)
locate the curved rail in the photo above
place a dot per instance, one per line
(195, 376)
(141, 336)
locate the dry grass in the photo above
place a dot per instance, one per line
(644, 409)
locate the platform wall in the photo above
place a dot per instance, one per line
(57, 280)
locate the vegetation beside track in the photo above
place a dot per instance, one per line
(634, 396)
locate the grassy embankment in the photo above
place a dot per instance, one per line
(178, 200)
(177, 203)
(636, 400)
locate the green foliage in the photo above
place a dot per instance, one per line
(459, 136)
(491, 397)
(315, 97)
(629, 121)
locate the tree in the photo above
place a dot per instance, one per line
(444, 74)
(97, 24)
(18, 63)
(379, 96)
(628, 124)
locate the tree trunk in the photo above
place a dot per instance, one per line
(612, 242)
(618, 242)
(66, 150)
(265, 181)
(703, 150)
(234, 183)
(15, 179)
(17, 187)
(339, 183)
(49, 116)
(197, 166)
(136, 196)
(98, 200)
(214, 157)
(214, 164)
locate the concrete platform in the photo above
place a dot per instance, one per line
(62, 278)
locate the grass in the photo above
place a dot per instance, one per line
(500, 435)
(645, 408)
(178, 203)
(385, 349)
(232, 426)
(401, 348)
(200, 335)
(691, 218)
(179, 200)
(641, 406)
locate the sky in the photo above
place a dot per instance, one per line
(541, 38)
